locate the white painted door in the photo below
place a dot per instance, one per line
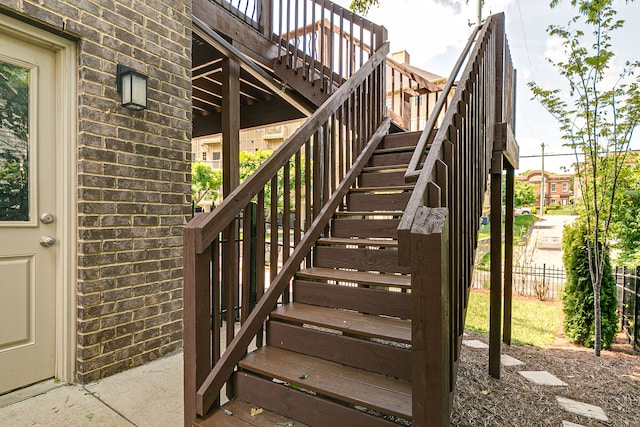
(28, 246)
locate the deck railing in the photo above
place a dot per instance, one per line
(442, 217)
(303, 183)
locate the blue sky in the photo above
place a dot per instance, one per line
(435, 31)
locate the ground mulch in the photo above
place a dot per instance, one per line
(611, 381)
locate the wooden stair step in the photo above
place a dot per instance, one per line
(389, 178)
(367, 228)
(239, 415)
(400, 149)
(300, 406)
(377, 301)
(384, 168)
(348, 322)
(391, 158)
(341, 241)
(382, 190)
(361, 258)
(360, 277)
(352, 385)
(401, 139)
(382, 214)
(362, 201)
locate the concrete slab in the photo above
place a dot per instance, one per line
(584, 409)
(507, 360)
(570, 424)
(542, 378)
(63, 406)
(474, 344)
(149, 395)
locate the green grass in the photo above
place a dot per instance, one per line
(533, 323)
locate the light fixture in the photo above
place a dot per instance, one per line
(132, 85)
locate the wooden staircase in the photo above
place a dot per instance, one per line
(341, 347)
(351, 305)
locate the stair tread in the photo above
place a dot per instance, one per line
(357, 242)
(356, 386)
(242, 417)
(381, 189)
(369, 169)
(394, 150)
(346, 321)
(364, 278)
(369, 213)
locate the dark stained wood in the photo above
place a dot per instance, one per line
(362, 354)
(362, 259)
(391, 158)
(371, 301)
(508, 255)
(430, 292)
(379, 179)
(401, 139)
(379, 243)
(346, 321)
(363, 278)
(369, 214)
(355, 386)
(364, 227)
(302, 407)
(241, 417)
(495, 318)
(377, 202)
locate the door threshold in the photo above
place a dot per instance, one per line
(30, 391)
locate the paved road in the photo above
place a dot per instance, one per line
(545, 242)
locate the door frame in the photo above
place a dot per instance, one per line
(66, 208)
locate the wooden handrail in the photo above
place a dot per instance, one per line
(441, 220)
(412, 173)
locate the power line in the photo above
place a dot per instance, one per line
(550, 155)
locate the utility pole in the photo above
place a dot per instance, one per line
(480, 4)
(542, 184)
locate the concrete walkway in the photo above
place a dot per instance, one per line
(149, 395)
(545, 242)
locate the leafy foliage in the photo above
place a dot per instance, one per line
(579, 320)
(597, 115)
(523, 193)
(205, 182)
(362, 6)
(14, 131)
(626, 216)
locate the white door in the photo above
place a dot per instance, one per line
(28, 246)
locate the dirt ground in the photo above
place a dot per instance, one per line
(611, 381)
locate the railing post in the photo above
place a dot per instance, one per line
(430, 317)
(266, 20)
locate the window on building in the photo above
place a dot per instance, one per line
(553, 201)
(204, 156)
(215, 155)
(193, 157)
(565, 187)
(553, 187)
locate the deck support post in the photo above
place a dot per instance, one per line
(508, 254)
(430, 328)
(495, 297)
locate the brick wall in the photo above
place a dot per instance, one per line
(133, 179)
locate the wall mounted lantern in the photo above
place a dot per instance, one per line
(132, 85)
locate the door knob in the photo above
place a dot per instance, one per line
(46, 218)
(47, 241)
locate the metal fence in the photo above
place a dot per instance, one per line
(627, 281)
(540, 281)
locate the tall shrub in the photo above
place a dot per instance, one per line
(578, 292)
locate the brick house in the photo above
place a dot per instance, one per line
(558, 187)
(92, 273)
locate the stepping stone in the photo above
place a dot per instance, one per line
(570, 424)
(510, 361)
(584, 409)
(542, 378)
(474, 344)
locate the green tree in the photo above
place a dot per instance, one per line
(597, 120)
(523, 193)
(578, 294)
(626, 217)
(205, 182)
(362, 6)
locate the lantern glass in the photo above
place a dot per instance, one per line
(133, 88)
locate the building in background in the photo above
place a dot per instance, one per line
(558, 188)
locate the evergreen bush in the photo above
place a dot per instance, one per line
(578, 291)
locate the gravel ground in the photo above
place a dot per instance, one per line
(611, 381)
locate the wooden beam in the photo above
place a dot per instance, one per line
(230, 125)
(508, 255)
(496, 270)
